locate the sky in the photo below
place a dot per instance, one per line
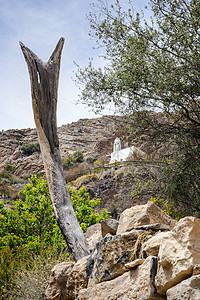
(39, 24)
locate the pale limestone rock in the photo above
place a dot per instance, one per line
(109, 226)
(93, 235)
(135, 263)
(136, 284)
(188, 289)
(152, 245)
(178, 254)
(143, 215)
(196, 270)
(66, 280)
(56, 287)
(110, 255)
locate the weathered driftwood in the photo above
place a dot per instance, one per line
(44, 85)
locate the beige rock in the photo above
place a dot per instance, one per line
(109, 226)
(152, 245)
(135, 284)
(143, 215)
(66, 280)
(110, 255)
(188, 289)
(135, 263)
(178, 254)
(196, 270)
(56, 287)
(93, 235)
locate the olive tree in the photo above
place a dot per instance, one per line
(152, 64)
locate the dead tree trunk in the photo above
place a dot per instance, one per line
(44, 85)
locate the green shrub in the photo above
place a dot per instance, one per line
(10, 168)
(68, 162)
(72, 160)
(31, 228)
(30, 148)
(5, 174)
(98, 163)
(92, 158)
(84, 208)
(78, 156)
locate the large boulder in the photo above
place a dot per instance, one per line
(187, 289)
(109, 226)
(143, 215)
(93, 235)
(110, 255)
(152, 245)
(66, 280)
(56, 287)
(138, 284)
(179, 254)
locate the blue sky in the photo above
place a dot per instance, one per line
(39, 24)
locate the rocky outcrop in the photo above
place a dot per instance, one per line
(142, 215)
(152, 261)
(178, 254)
(66, 280)
(86, 135)
(109, 226)
(187, 289)
(109, 256)
(135, 284)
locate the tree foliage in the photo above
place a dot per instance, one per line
(152, 64)
(149, 64)
(32, 222)
(29, 232)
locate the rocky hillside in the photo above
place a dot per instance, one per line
(86, 135)
(90, 136)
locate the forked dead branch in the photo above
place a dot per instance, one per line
(44, 78)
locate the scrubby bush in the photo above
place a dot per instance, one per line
(72, 160)
(92, 158)
(30, 148)
(82, 180)
(68, 162)
(24, 275)
(10, 168)
(78, 156)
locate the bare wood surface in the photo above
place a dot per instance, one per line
(44, 78)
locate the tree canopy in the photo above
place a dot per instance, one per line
(152, 64)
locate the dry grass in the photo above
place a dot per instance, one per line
(29, 283)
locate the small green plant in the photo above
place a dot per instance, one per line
(72, 160)
(78, 156)
(68, 162)
(98, 163)
(10, 168)
(92, 158)
(30, 148)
